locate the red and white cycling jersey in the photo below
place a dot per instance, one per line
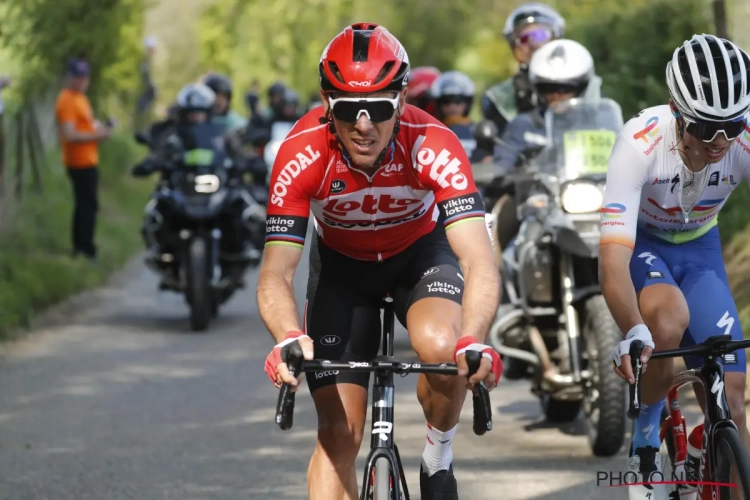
(426, 174)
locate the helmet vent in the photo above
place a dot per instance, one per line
(335, 71)
(361, 45)
(387, 67)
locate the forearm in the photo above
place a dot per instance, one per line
(480, 300)
(76, 137)
(619, 293)
(277, 305)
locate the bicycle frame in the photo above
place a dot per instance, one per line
(717, 414)
(382, 442)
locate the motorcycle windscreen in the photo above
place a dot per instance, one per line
(581, 135)
(279, 131)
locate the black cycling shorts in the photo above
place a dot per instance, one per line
(344, 296)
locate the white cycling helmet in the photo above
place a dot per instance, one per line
(196, 97)
(708, 79)
(452, 83)
(533, 12)
(561, 63)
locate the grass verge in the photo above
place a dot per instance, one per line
(36, 269)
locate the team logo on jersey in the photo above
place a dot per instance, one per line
(291, 171)
(337, 186)
(714, 179)
(675, 181)
(649, 131)
(613, 211)
(728, 180)
(444, 166)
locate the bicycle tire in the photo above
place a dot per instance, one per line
(382, 484)
(730, 451)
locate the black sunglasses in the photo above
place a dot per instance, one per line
(707, 131)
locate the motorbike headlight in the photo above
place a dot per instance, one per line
(581, 198)
(207, 183)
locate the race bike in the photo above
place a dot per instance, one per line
(554, 326)
(202, 228)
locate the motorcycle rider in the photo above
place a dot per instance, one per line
(223, 113)
(193, 127)
(453, 95)
(527, 29)
(559, 71)
(418, 88)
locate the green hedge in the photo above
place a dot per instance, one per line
(36, 269)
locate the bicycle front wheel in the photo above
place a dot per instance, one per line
(732, 464)
(382, 489)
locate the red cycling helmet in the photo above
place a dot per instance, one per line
(418, 87)
(421, 80)
(365, 57)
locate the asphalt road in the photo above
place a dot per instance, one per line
(112, 397)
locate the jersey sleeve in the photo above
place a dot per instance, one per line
(297, 171)
(626, 175)
(442, 165)
(64, 109)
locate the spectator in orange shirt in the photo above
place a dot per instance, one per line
(79, 135)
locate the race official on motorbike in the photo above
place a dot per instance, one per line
(453, 94)
(223, 113)
(561, 70)
(194, 129)
(527, 29)
(418, 88)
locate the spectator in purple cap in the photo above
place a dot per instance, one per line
(80, 135)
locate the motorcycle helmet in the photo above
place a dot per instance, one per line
(561, 66)
(418, 88)
(452, 86)
(220, 84)
(195, 97)
(534, 13)
(723, 72)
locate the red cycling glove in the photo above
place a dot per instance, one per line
(280, 353)
(471, 344)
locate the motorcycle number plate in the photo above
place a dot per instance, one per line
(587, 151)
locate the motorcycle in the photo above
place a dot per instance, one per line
(554, 326)
(279, 131)
(197, 202)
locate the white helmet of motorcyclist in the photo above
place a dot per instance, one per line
(561, 66)
(196, 97)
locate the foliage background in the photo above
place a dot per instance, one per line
(631, 41)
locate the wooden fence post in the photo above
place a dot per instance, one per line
(37, 178)
(19, 155)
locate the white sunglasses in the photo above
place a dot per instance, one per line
(376, 109)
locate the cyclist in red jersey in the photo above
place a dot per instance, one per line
(395, 210)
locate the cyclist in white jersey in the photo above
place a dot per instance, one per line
(670, 172)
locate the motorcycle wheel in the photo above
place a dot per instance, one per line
(606, 395)
(198, 286)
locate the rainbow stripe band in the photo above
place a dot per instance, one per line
(464, 217)
(287, 240)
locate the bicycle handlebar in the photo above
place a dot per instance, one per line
(297, 364)
(712, 347)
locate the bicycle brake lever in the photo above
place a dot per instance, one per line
(480, 397)
(636, 348)
(285, 405)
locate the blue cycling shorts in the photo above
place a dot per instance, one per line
(697, 269)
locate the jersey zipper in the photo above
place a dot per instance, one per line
(372, 217)
(679, 195)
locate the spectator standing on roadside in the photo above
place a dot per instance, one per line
(79, 135)
(148, 89)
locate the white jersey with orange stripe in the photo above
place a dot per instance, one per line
(645, 180)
